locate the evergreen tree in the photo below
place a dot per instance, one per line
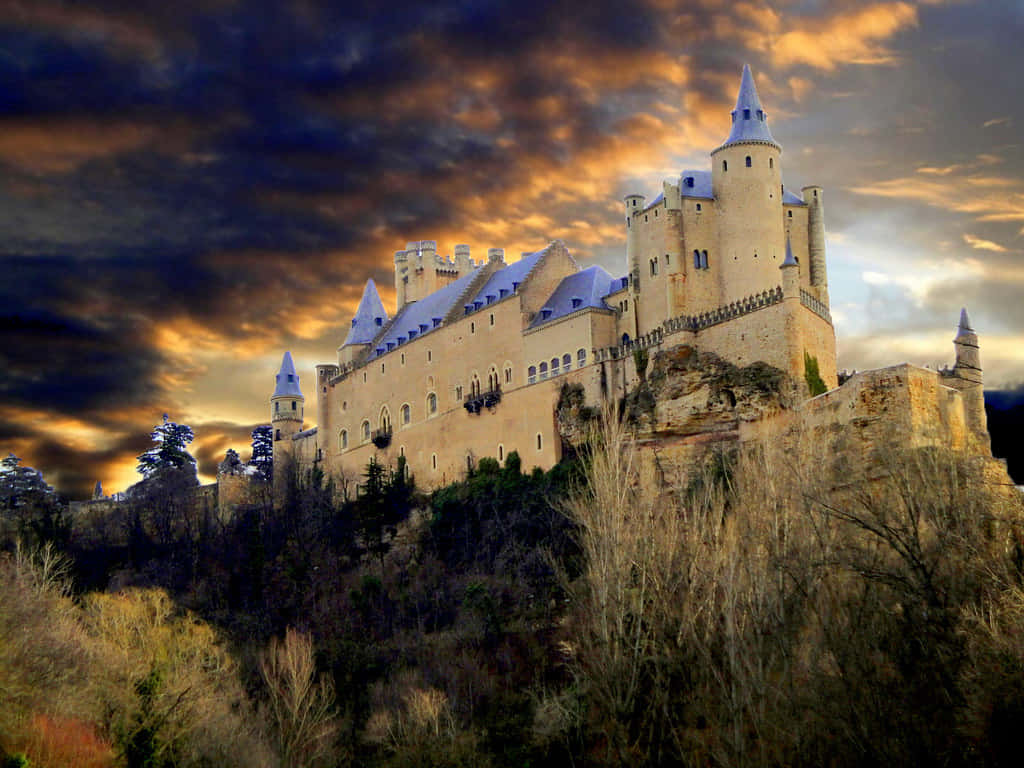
(29, 503)
(263, 451)
(170, 450)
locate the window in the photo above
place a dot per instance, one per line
(540, 441)
(696, 259)
(667, 259)
(554, 367)
(746, 114)
(366, 431)
(344, 405)
(581, 358)
(472, 327)
(384, 420)
(626, 304)
(431, 403)
(429, 357)
(543, 371)
(403, 358)
(771, 162)
(501, 453)
(364, 377)
(295, 406)
(703, 259)
(531, 375)
(277, 407)
(343, 440)
(401, 452)
(576, 302)
(748, 161)
(508, 374)
(433, 461)
(406, 414)
(278, 435)
(725, 165)
(474, 386)
(458, 391)
(566, 362)
(492, 380)
(492, 318)
(789, 214)
(382, 367)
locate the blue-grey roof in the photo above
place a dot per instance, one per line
(617, 284)
(792, 198)
(699, 187)
(369, 317)
(749, 121)
(287, 380)
(965, 323)
(581, 290)
(504, 281)
(790, 260)
(423, 316)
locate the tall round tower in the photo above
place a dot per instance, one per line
(286, 413)
(746, 181)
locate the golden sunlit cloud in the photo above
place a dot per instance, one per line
(983, 245)
(1007, 121)
(992, 198)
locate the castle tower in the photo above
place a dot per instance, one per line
(401, 278)
(286, 413)
(967, 377)
(634, 205)
(369, 318)
(790, 275)
(746, 181)
(815, 199)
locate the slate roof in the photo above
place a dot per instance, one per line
(369, 317)
(581, 290)
(790, 260)
(701, 184)
(504, 281)
(749, 121)
(287, 380)
(965, 324)
(423, 316)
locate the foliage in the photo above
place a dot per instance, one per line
(640, 359)
(30, 510)
(263, 452)
(170, 451)
(815, 384)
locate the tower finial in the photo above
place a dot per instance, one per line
(790, 260)
(287, 380)
(965, 322)
(749, 120)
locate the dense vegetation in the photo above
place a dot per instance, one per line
(745, 615)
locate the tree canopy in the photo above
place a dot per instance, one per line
(169, 451)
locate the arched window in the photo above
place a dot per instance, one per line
(458, 392)
(406, 414)
(696, 259)
(771, 162)
(492, 380)
(789, 214)
(508, 374)
(698, 207)
(474, 386)
(384, 420)
(581, 358)
(343, 440)
(703, 259)
(543, 371)
(431, 403)
(554, 367)
(278, 435)
(295, 406)
(748, 161)
(667, 259)
(725, 165)
(566, 362)
(277, 407)
(625, 338)
(366, 431)
(654, 267)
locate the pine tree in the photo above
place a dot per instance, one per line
(263, 451)
(29, 503)
(169, 452)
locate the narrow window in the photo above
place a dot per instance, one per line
(278, 437)
(666, 258)
(429, 356)
(654, 268)
(382, 367)
(748, 161)
(725, 165)
(508, 374)
(433, 460)
(295, 406)
(627, 305)
(344, 405)
(645, 217)
(501, 453)
(566, 363)
(771, 162)
(432, 403)
(790, 214)
(543, 371)
(403, 358)
(458, 392)
(704, 260)
(696, 259)
(406, 414)
(344, 439)
(472, 327)
(540, 441)
(366, 431)
(698, 207)
(492, 318)
(554, 367)
(364, 377)
(581, 358)
(746, 114)
(531, 374)
(277, 407)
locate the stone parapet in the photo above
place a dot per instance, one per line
(817, 307)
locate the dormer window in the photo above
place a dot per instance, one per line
(746, 114)
(290, 377)
(760, 115)
(436, 321)
(749, 161)
(503, 292)
(515, 285)
(689, 181)
(412, 334)
(698, 207)
(424, 327)
(576, 301)
(379, 321)
(545, 313)
(353, 322)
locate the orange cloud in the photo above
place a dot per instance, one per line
(983, 245)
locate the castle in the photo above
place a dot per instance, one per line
(472, 363)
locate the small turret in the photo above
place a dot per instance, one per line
(966, 376)
(286, 403)
(401, 278)
(495, 255)
(463, 261)
(815, 199)
(968, 354)
(790, 274)
(749, 120)
(367, 322)
(634, 205)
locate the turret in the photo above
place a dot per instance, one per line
(367, 322)
(790, 277)
(495, 255)
(634, 205)
(401, 279)
(286, 412)
(324, 373)
(463, 262)
(814, 197)
(967, 377)
(746, 181)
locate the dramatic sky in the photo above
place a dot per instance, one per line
(188, 189)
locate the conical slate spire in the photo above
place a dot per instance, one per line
(749, 121)
(789, 261)
(287, 379)
(369, 318)
(965, 323)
